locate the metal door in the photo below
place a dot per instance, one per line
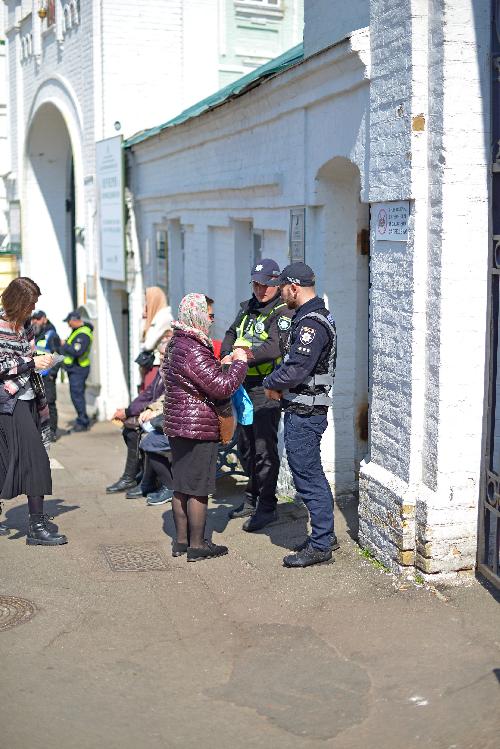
(489, 520)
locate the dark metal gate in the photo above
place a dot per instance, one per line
(489, 521)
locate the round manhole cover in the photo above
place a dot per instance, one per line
(14, 611)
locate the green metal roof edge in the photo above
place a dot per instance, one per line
(233, 90)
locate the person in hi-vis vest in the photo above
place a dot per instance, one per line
(76, 350)
(256, 331)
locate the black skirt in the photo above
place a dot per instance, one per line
(24, 463)
(194, 466)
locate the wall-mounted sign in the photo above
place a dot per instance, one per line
(391, 220)
(109, 174)
(297, 235)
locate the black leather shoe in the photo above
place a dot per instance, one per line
(81, 428)
(209, 550)
(243, 510)
(135, 493)
(178, 549)
(308, 556)
(39, 534)
(123, 483)
(334, 544)
(260, 520)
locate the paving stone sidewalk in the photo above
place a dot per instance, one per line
(123, 646)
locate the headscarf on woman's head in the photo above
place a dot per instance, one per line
(155, 300)
(193, 318)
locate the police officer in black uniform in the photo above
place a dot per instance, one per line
(256, 330)
(302, 383)
(48, 341)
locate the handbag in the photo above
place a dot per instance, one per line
(227, 422)
(36, 382)
(131, 422)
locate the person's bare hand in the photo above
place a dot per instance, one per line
(273, 395)
(43, 362)
(239, 355)
(227, 359)
(119, 414)
(145, 416)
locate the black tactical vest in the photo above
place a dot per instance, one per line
(313, 395)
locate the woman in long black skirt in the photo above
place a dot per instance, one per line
(24, 424)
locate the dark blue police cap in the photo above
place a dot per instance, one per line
(265, 271)
(73, 315)
(297, 273)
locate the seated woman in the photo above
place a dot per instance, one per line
(157, 464)
(132, 432)
(157, 317)
(195, 383)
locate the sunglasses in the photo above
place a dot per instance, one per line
(211, 316)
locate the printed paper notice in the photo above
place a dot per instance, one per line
(391, 220)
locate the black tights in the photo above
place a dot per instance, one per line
(190, 517)
(160, 465)
(35, 504)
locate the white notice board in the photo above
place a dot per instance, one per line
(391, 220)
(109, 175)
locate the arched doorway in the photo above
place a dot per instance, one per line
(49, 250)
(341, 258)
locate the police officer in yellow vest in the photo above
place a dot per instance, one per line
(256, 329)
(76, 352)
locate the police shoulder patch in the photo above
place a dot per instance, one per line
(284, 323)
(307, 335)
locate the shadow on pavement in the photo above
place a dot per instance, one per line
(17, 517)
(496, 671)
(492, 590)
(348, 505)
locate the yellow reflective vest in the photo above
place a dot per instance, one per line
(84, 360)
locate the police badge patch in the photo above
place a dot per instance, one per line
(307, 335)
(259, 327)
(284, 323)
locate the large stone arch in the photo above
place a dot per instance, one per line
(52, 197)
(340, 246)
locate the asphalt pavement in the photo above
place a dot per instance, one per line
(119, 645)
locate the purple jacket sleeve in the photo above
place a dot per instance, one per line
(205, 371)
(151, 393)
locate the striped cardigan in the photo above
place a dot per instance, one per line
(16, 355)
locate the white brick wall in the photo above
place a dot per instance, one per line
(134, 63)
(419, 490)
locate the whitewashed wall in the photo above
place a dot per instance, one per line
(419, 489)
(241, 168)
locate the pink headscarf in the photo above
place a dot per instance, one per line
(193, 318)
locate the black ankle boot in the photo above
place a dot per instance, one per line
(124, 482)
(39, 533)
(4, 531)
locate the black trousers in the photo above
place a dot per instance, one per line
(51, 393)
(258, 449)
(77, 377)
(133, 464)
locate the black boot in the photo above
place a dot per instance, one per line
(39, 533)
(4, 531)
(128, 479)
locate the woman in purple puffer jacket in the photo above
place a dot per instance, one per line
(194, 383)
